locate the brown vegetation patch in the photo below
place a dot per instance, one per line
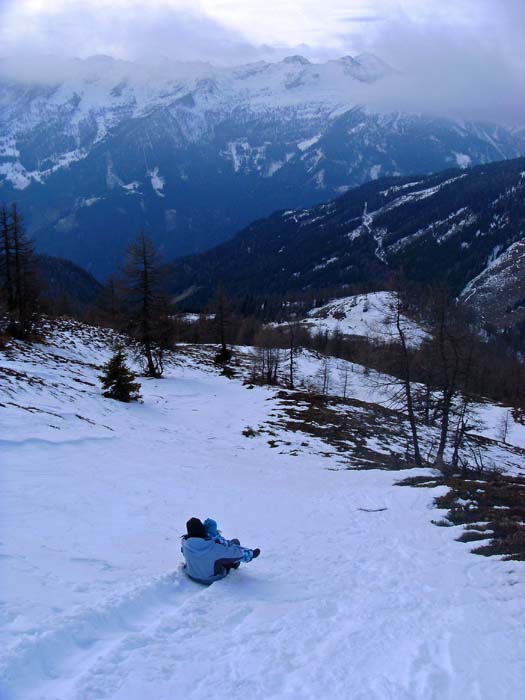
(491, 507)
(367, 435)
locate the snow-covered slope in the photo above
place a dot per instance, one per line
(371, 315)
(356, 593)
(498, 292)
(194, 152)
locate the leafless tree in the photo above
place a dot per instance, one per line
(293, 331)
(220, 309)
(503, 425)
(343, 376)
(7, 259)
(451, 351)
(19, 275)
(145, 302)
(324, 377)
(267, 358)
(407, 359)
(110, 304)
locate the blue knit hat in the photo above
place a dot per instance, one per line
(210, 526)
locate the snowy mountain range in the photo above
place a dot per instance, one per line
(462, 228)
(94, 149)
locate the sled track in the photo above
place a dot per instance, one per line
(57, 664)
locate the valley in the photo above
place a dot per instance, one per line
(194, 153)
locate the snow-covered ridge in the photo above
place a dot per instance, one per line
(396, 198)
(81, 103)
(146, 143)
(371, 315)
(97, 94)
(121, 75)
(502, 278)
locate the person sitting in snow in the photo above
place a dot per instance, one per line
(209, 556)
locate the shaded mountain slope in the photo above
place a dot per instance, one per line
(67, 284)
(448, 228)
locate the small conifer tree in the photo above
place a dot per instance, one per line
(118, 381)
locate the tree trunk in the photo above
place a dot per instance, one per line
(408, 390)
(6, 243)
(443, 433)
(292, 350)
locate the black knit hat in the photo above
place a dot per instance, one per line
(195, 528)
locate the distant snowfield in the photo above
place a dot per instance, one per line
(369, 315)
(355, 595)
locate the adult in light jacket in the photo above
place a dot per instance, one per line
(208, 555)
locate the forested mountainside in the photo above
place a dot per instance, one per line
(193, 153)
(455, 227)
(67, 284)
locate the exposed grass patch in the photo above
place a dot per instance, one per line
(363, 434)
(491, 507)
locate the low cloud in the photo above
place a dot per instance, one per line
(359, 19)
(131, 33)
(466, 69)
(462, 58)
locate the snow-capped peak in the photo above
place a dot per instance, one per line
(365, 67)
(297, 59)
(103, 91)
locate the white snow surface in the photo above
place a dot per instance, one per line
(463, 160)
(343, 602)
(307, 143)
(157, 181)
(369, 315)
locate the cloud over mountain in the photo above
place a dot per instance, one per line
(456, 57)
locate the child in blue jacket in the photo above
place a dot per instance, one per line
(209, 556)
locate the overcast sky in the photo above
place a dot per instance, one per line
(463, 51)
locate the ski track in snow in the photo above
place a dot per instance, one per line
(343, 602)
(75, 648)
